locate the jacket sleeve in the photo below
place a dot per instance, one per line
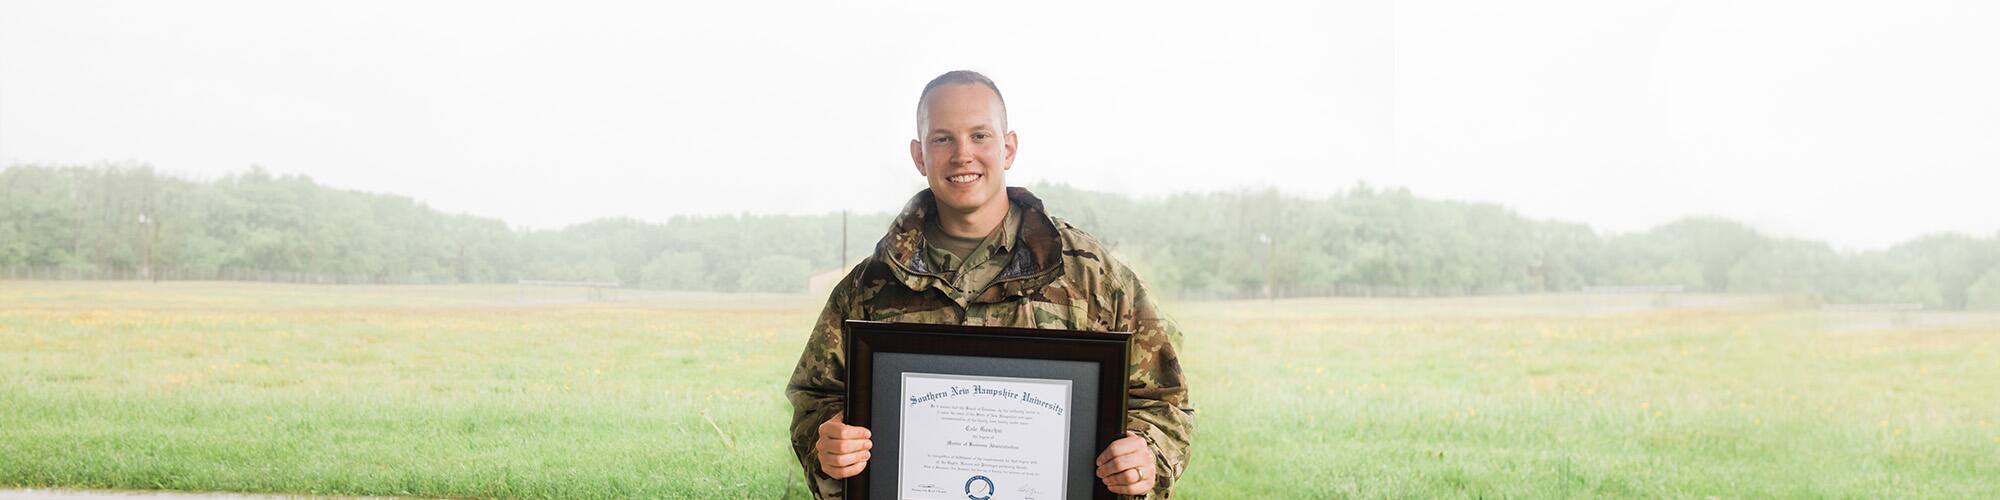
(1157, 406)
(818, 389)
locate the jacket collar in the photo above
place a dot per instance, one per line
(1034, 261)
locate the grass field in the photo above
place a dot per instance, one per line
(503, 391)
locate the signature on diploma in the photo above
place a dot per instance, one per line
(1028, 492)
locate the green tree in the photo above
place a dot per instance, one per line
(676, 271)
(775, 273)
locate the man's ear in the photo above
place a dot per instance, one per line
(917, 156)
(1013, 144)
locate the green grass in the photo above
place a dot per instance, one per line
(500, 391)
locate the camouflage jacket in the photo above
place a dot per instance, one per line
(1056, 276)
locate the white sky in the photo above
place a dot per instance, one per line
(1859, 123)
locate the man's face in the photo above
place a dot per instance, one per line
(963, 148)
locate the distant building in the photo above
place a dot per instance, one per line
(820, 284)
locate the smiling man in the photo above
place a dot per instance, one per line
(972, 251)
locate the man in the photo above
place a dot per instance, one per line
(972, 251)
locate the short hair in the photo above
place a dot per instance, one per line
(958, 77)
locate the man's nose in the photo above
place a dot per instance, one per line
(962, 153)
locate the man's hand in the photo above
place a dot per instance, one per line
(1127, 466)
(843, 449)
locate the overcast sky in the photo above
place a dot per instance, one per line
(1858, 123)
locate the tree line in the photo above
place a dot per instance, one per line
(129, 221)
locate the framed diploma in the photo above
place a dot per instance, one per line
(984, 413)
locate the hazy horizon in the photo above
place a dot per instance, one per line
(1855, 124)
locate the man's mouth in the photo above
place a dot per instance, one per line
(964, 178)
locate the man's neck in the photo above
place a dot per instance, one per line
(974, 224)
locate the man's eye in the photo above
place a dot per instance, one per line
(941, 140)
(981, 136)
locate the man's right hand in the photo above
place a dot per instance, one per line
(842, 449)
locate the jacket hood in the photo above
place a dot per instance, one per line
(1035, 260)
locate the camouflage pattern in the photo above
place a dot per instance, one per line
(1053, 275)
(983, 264)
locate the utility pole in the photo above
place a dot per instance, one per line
(1270, 253)
(843, 240)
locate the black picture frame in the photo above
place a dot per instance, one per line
(1095, 363)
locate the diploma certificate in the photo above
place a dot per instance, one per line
(983, 437)
(965, 412)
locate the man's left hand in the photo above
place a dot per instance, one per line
(1127, 466)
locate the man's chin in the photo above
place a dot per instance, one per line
(963, 202)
